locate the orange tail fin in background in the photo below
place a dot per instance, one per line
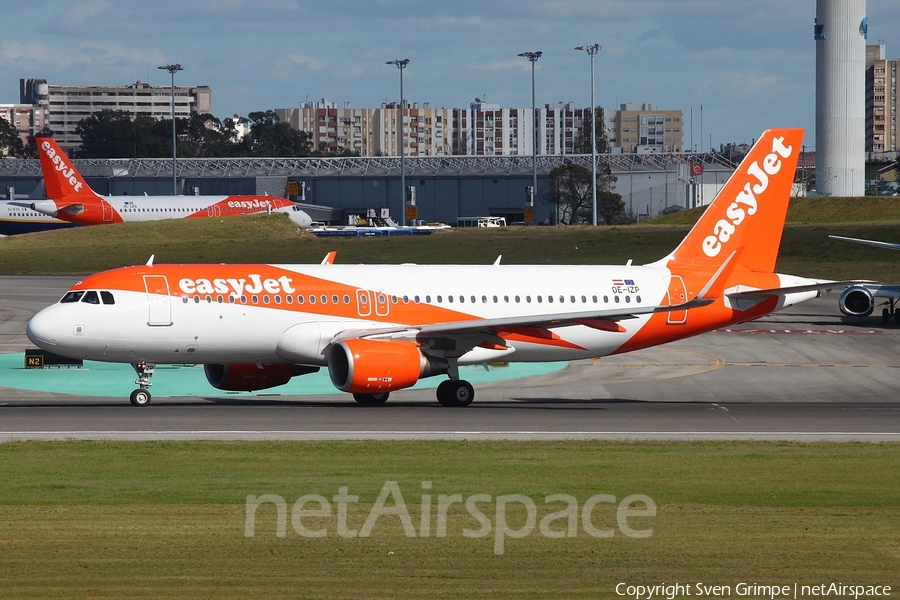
(750, 210)
(61, 178)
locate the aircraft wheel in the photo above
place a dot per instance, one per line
(371, 399)
(443, 393)
(885, 315)
(457, 393)
(140, 398)
(897, 316)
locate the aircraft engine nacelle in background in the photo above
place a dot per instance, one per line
(252, 377)
(375, 366)
(857, 301)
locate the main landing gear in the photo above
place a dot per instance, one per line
(144, 370)
(455, 392)
(371, 399)
(887, 313)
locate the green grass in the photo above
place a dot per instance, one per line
(167, 519)
(806, 249)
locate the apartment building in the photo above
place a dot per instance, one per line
(489, 130)
(26, 118)
(372, 131)
(66, 105)
(881, 101)
(644, 129)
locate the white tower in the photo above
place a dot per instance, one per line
(840, 33)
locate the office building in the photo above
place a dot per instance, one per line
(66, 105)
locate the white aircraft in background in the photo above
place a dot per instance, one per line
(17, 217)
(379, 328)
(72, 200)
(859, 300)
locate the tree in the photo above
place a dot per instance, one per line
(269, 137)
(10, 141)
(582, 144)
(31, 149)
(115, 134)
(572, 191)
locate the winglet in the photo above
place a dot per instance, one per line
(497, 262)
(150, 262)
(329, 258)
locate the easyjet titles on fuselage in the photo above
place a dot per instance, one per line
(725, 228)
(249, 204)
(60, 164)
(257, 285)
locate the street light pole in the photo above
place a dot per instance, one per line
(401, 64)
(172, 69)
(592, 50)
(532, 57)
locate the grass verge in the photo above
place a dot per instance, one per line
(168, 519)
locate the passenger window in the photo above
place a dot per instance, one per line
(107, 298)
(300, 299)
(334, 299)
(91, 297)
(71, 297)
(289, 299)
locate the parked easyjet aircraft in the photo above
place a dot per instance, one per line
(379, 328)
(71, 199)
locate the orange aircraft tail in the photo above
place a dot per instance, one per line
(61, 178)
(750, 210)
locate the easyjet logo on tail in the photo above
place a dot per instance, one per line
(59, 163)
(746, 203)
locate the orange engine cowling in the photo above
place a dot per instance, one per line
(248, 378)
(374, 366)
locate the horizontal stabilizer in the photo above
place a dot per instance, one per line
(887, 245)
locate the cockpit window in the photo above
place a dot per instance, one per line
(107, 298)
(71, 297)
(91, 297)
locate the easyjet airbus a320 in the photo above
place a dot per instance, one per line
(379, 328)
(72, 200)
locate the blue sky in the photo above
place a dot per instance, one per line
(749, 63)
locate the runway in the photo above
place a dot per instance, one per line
(805, 374)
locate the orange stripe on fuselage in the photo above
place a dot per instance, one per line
(271, 282)
(241, 205)
(658, 330)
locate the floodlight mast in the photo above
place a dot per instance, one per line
(532, 57)
(592, 50)
(172, 69)
(401, 64)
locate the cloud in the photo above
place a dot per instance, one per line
(498, 65)
(82, 11)
(307, 61)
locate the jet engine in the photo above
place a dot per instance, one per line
(375, 366)
(857, 301)
(252, 377)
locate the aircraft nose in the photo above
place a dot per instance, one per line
(43, 329)
(47, 207)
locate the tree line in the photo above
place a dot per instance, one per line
(119, 134)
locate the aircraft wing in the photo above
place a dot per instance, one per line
(598, 319)
(887, 245)
(883, 291)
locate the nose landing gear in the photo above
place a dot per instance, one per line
(144, 370)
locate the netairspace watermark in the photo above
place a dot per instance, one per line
(671, 591)
(390, 503)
